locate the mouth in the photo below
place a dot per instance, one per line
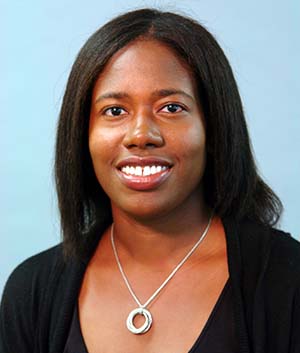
(143, 173)
(143, 170)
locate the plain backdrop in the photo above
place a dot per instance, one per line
(39, 41)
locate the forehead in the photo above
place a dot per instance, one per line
(146, 64)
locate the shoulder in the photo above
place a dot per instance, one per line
(22, 297)
(264, 264)
(262, 250)
(285, 247)
(35, 270)
(276, 252)
(258, 237)
(284, 260)
(277, 285)
(278, 246)
(28, 280)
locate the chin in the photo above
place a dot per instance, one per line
(143, 210)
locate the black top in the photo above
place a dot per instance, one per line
(264, 268)
(217, 336)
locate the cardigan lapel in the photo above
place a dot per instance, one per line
(236, 273)
(64, 303)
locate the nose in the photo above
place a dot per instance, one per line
(143, 133)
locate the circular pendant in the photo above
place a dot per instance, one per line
(146, 325)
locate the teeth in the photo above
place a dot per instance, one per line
(146, 171)
(131, 170)
(127, 169)
(153, 169)
(143, 171)
(138, 171)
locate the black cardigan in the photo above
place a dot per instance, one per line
(264, 267)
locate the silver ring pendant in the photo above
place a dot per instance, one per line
(146, 325)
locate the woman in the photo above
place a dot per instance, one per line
(167, 238)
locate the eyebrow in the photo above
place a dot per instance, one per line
(157, 93)
(116, 95)
(171, 91)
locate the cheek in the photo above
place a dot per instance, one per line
(101, 158)
(193, 147)
(96, 143)
(100, 145)
(193, 142)
(100, 152)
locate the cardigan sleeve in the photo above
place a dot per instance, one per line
(295, 337)
(17, 312)
(24, 298)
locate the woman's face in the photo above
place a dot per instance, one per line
(146, 133)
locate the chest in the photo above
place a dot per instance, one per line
(180, 312)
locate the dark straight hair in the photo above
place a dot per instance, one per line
(232, 185)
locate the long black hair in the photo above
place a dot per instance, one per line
(232, 185)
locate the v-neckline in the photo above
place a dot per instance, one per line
(195, 346)
(211, 318)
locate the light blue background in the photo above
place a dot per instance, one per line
(39, 41)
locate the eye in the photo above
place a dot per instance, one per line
(114, 111)
(172, 108)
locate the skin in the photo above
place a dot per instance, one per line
(146, 128)
(156, 227)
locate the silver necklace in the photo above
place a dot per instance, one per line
(142, 308)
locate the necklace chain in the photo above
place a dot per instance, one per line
(171, 275)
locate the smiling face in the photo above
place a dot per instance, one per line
(146, 133)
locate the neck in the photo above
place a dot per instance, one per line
(160, 241)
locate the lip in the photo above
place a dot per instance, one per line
(144, 183)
